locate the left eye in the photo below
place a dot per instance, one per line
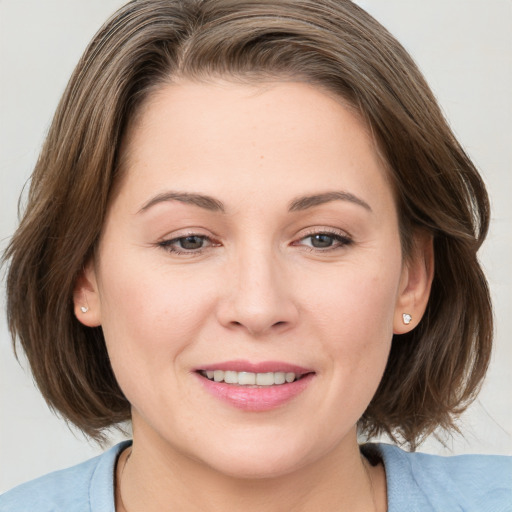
(325, 240)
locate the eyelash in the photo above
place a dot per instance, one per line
(339, 241)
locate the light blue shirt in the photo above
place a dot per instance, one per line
(416, 482)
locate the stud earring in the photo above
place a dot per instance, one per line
(406, 318)
(85, 308)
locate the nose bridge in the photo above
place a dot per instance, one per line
(256, 277)
(260, 298)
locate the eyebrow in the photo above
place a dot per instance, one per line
(305, 202)
(298, 204)
(206, 202)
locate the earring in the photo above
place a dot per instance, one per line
(406, 318)
(85, 308)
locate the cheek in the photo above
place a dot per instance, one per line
(357, 300)
(149, 315)
(355, 316)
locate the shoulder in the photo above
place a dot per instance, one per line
(465, 483)
(87, 486)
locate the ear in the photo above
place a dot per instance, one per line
(86, 298)
(415, 284)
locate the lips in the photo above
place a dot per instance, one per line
(255, 386)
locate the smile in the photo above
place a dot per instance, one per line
(255, 387)
(250, 378)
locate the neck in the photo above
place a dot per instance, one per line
(153, 477)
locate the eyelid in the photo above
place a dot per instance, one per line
(187, 231)
(323, 230)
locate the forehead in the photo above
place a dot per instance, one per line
(275, 134)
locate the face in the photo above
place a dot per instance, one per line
(249, 276)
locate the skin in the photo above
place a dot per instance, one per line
(256, 290)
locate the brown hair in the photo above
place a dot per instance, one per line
(433, 372)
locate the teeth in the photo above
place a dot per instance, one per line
(265, 379)
(246, 378)
(280, 378)
(231, 377)
(250, 379)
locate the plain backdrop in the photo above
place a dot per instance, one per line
(464, 47)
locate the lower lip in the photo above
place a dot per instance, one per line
(256, 399)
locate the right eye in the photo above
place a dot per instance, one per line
(189, 244)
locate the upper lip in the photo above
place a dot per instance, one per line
(261, 367)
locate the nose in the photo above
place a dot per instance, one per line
(259, 297)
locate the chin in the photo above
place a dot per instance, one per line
(258, 468)
(257, 458)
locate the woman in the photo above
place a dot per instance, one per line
(251, 233)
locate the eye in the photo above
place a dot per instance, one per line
(324, 241)
(189, 244)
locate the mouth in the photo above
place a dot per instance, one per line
(255, 387)
(252, 379)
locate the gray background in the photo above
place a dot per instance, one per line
(464, 47)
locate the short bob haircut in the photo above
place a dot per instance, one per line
(433, 372)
